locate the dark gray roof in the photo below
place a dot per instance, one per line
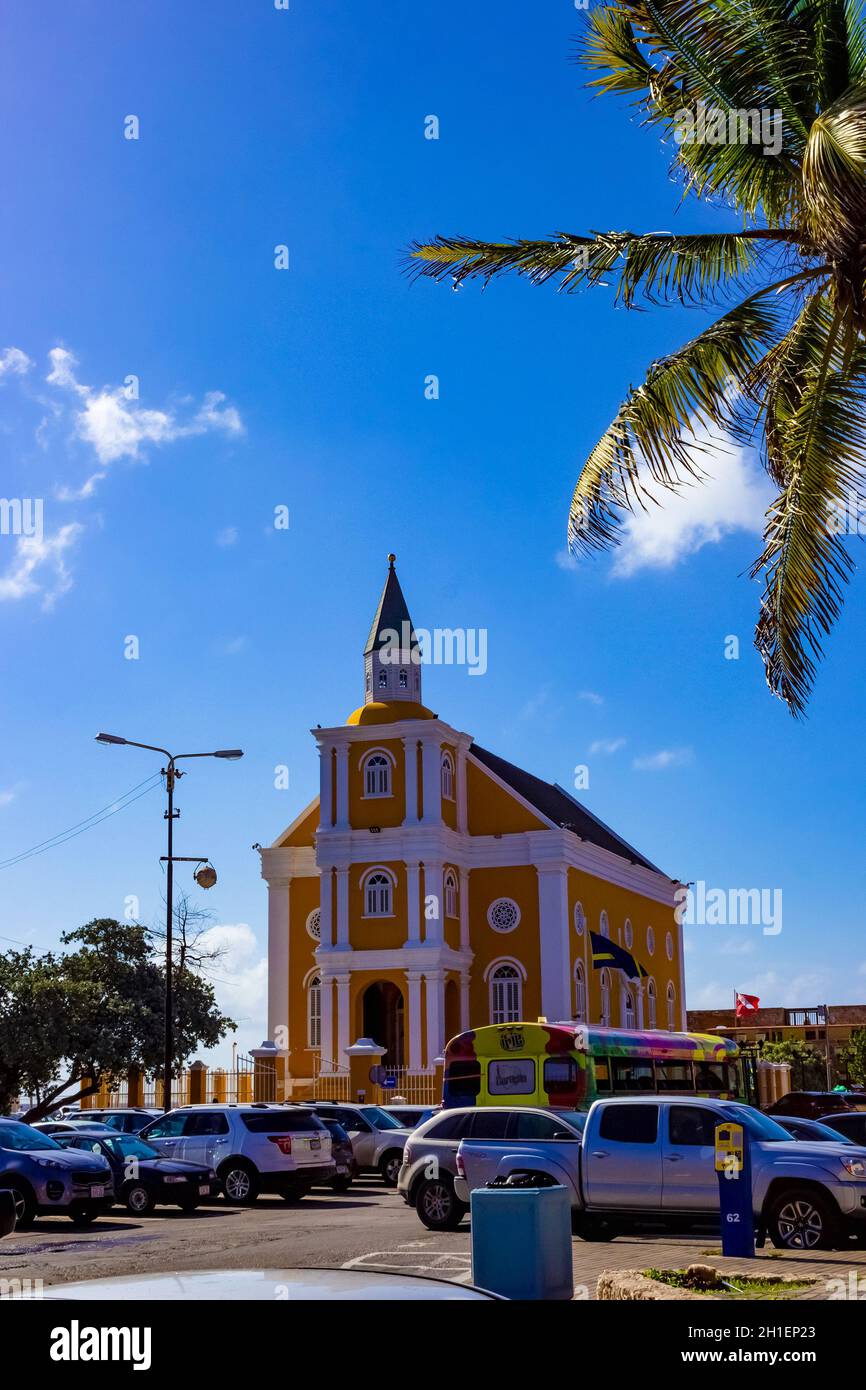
(392, 613)
(560, 807)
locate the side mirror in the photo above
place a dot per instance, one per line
(7, 1213)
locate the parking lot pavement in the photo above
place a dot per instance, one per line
(367, 1227)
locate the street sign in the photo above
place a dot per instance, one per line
(389, 1083)
(734, 1172)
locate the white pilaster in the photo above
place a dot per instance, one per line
(431, 781)
(413, 978)
(462, 800)
(434, 927)
(326, 808)
(464, 1001)
(413, 904)
(278, 962)
(553, 942)
(342, 817)
(326, 908)
(327, 1059)
(410, 746)
(342, 907)
(464, 909)
(343, 1035)
(434, 983)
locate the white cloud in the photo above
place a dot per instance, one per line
(228, 536)
(14, 362)
(734, 498)
(591, 697)
(607, 745)
(234, 646)
(39, 566)
(663, 759)
(7, 797)
(117, 426)
(240, 980)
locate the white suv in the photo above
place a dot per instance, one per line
(254, 1148)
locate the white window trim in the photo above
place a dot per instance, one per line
(310, 916)
(579, 917)
(447, 759)
(627, 994)
(377, 753)
(671, 1003)
(652, 1002)
(604, 925)
(499, 930)
(309, 980)
(580, 979)
(628, 934)
(651, 941)
(367, 874)
(451, 876)
(604, 993)
(491, 982)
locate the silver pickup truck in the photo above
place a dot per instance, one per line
(653, 1158)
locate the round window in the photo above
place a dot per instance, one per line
(503, 914)
(314, 924)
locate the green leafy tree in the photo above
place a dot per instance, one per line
(784, 365)
(96, 1011)
(854, 1056)
(808, 1066)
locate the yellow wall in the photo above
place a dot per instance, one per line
(365, 811)
(376, 933)
(492, 810)
(521, 884)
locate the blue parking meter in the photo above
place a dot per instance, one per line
(734, 1172)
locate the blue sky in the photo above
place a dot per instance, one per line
(154, 258)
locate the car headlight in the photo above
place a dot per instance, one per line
(174, 1177)
(212, 1174)
(48, 1163)
(854, 1167)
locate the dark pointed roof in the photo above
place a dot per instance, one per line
(560, 807)
(392, 612)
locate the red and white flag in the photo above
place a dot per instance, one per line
(746, 1004)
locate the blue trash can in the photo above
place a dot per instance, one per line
(521, 1241)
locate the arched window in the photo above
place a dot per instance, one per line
(604, 925)
(672, 1003)
(669, 946)
(404, 680)
(605, 998)
(378, 894)
(628, 934)
(580, 992)
(579, 919)
(383, 679)
(628, 1015)
(314, 1012)
(650, 941)
(447, 776)
(505, 994)
(450, 894)
(651, 1003)
(377, 774)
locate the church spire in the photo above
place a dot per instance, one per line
(391, 659)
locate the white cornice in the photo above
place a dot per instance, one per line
(421, 957)
(295, 861)
(402, 728)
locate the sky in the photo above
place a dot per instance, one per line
(165, 387)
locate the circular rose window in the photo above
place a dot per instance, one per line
(503, 914)
(314, 924)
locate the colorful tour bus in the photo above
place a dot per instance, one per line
(566, 1066)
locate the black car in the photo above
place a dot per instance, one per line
(850, 1125)
(816, 1105)
(342, 1154)
(142, 1177)
(812, 1131)
(126, 1121)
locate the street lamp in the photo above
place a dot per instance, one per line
(204, 876)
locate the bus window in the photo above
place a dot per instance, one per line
(561, 1075)
(602, 1074)
(463, 1079)
(633, 1074)
(514, 1077)
(674, 1076)
(711, 1076)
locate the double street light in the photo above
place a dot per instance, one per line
(205, 876)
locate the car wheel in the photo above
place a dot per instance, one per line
(438, 1205)
(25, 1205)
(83, 1216)
(138, 1200)
(801, 1219)
(389, 1167)
(240, 1185)
(340, 1184)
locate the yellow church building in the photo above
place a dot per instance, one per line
(432, 886)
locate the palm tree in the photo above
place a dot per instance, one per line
(784, 367)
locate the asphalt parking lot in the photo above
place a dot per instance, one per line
(367, 1227)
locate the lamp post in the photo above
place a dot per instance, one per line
(171, 774)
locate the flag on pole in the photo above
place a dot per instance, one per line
(746, 1004)
(606, 952)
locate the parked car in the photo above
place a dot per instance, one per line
(67, 1126)
(429, 1186)
(7, 1212)
(130, 1121)
(143, 1178)
(343, 1155)
(851, 1125)
(815, 1105)
(652, 1157)
(253, 1148)
(810, 1131)
(265, 1285)
(377, 1138)
(411, 1116)
(45, 1179)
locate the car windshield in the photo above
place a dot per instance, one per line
(575, 1118)
(129, 1146)
(23, 1138)
(819, 1131)
(378, 1118)
(759, 1126)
